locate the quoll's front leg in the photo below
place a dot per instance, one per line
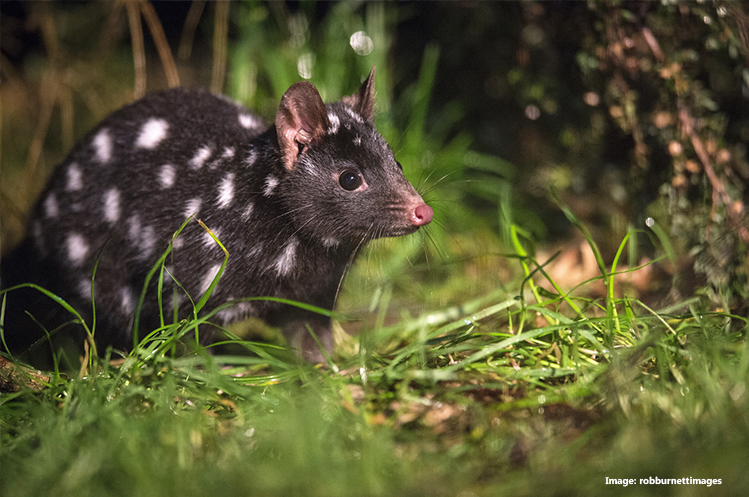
(296, 329)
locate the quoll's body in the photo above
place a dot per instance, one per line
(292, 203)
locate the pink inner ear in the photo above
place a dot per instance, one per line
(301, 119)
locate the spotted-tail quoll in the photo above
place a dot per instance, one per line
(292, 203)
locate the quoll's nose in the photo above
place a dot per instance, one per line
(422, 215)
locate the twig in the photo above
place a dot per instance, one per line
(720, 195)
(139, 52)
(49, 35)
(742, 22)
(653, 44)
(220, 35)
(49, 95)
(162, 45)
(188, 30)
(67, 116)
(15, 378)
(49, 90)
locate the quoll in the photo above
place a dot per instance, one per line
(293, 203)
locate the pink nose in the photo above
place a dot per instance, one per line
(422, 215)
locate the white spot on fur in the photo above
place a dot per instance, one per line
(127, 300)
(166, 176)
(335, 122)
(75, 179)
(248, 211)
(112, 205)
(50, 206)
(208, 240)
(208, 278)
(133, 229)
(152, 133)
(168, 272)
(192, 207)
(103, 146)
(270, 183)
(249, 121)
(178, 243)
(356, 117)
(143, 237)
(226, 191)
(174, 300)
(200, 157)
(77, 248)
(237, 312)
(251, 158)
(84, 288)
(147, 241)
(357, 140)
(285, 262)
(309, 165)
(228, 153)
(256, 250)
(330, 242)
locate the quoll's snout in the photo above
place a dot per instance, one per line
(422, 215)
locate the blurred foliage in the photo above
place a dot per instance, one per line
(674, 79)
(634, 113)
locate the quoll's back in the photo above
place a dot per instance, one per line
(292, 203)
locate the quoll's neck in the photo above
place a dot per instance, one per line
(309, 256)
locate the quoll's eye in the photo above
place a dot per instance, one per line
(350, 180)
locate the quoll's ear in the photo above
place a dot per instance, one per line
(363, 101)
(301, 119)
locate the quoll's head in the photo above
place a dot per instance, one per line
(342, 183)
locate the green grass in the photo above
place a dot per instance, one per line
(463, 374)
(501, 394)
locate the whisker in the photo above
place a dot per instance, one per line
(430, 188)
(350, 262)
